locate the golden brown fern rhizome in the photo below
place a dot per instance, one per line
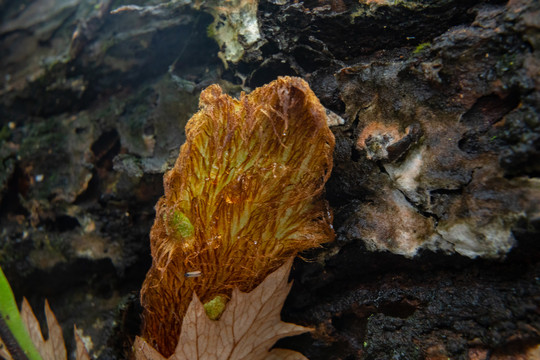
(245, 194)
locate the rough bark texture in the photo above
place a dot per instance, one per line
(435, 186)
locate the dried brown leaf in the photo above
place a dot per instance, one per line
(285, 354)
(55, 342)
(247, 329)
(82, 353)
(143, 351)
(4, 354)
(54, 347)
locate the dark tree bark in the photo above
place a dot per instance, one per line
(435, 188)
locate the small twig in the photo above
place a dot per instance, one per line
(12, 345)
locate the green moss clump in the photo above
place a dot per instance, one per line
(421, 47)
(181, 224)
(43, 138)
(211, 31)
(4, 134)
(215, 307)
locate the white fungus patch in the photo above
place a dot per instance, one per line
(405, 175)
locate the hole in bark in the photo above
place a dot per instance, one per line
(17, 184)
(62, 223)
(481, 117)
(105, 148)
(81, 130)
(354, 321)
(489, 109)
(309, 59)
(446, 192)
(270, 71)
(400, 309)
